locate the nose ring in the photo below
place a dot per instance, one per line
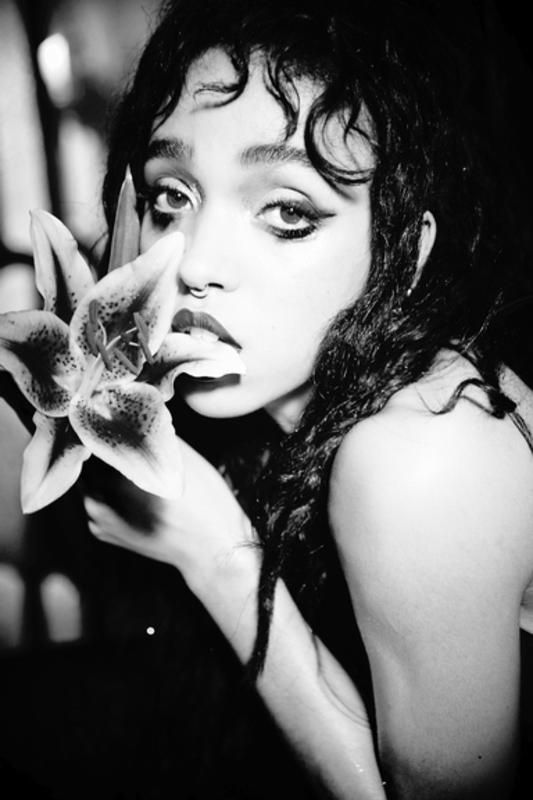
(200, 294)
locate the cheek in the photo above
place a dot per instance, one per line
(330, 291)
(297, 310)
(147, 237)
(291, 335)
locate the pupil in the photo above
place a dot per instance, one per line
(175, 199)
(290, 215)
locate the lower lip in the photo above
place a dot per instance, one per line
(192, 381)
(208, 336)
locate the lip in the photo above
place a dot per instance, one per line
(186, 319)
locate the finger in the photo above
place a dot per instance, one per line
(105, 523)
(94, 529)
(94, 508)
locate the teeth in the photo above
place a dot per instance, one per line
(202, 333)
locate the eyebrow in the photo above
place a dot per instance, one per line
(174, 148)
(273, 154)
(169, 148)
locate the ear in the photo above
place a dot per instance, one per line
(428, 234)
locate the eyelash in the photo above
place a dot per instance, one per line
(162, 219)
(149, 194)
(293, 206)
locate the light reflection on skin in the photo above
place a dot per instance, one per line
(280, 249)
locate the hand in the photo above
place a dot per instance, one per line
(202, 525)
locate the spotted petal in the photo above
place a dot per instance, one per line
(35, 349)
(130, 428)
(145, 288)
(201, 358)
(61, 274)
(51, 464)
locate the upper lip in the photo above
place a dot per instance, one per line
(186, 319)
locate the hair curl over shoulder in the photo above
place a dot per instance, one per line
(390, 62)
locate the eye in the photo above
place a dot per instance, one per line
(167, 203)
(289, 219)
(170, 200)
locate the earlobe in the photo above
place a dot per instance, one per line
(428, 233)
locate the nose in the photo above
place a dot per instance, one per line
(210, 256)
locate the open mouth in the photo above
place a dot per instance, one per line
(202, 326)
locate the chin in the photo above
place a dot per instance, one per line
(216, 398)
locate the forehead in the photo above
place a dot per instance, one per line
(207, 95)
(255, 115)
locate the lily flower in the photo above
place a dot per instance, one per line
(98, 364)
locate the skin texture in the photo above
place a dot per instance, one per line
(431, 514)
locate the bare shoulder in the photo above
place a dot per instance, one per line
(410, 433)
(432, 515)
(462, 480)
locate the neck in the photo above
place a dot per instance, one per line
(288, 410)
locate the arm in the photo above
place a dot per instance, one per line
(13, 439)
(309, 695)
(432, 518)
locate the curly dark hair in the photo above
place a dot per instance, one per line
(418, 83)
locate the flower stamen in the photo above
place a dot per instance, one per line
(123, 358)
(97, 335)
(142, 336)
(104, 352)
(92, 327)
(127, 337)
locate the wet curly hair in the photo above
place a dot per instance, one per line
(418, 83)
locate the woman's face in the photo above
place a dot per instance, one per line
(279, 251)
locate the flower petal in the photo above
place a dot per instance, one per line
(145, 288)
(126, 230)
(51, 464)
(130, 428)
(35, 349)
(62, 275)
(201, 358)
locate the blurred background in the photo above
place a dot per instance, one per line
(62, 65)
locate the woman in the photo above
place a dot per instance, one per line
(317, 161)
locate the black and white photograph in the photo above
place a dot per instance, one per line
(266, 400)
